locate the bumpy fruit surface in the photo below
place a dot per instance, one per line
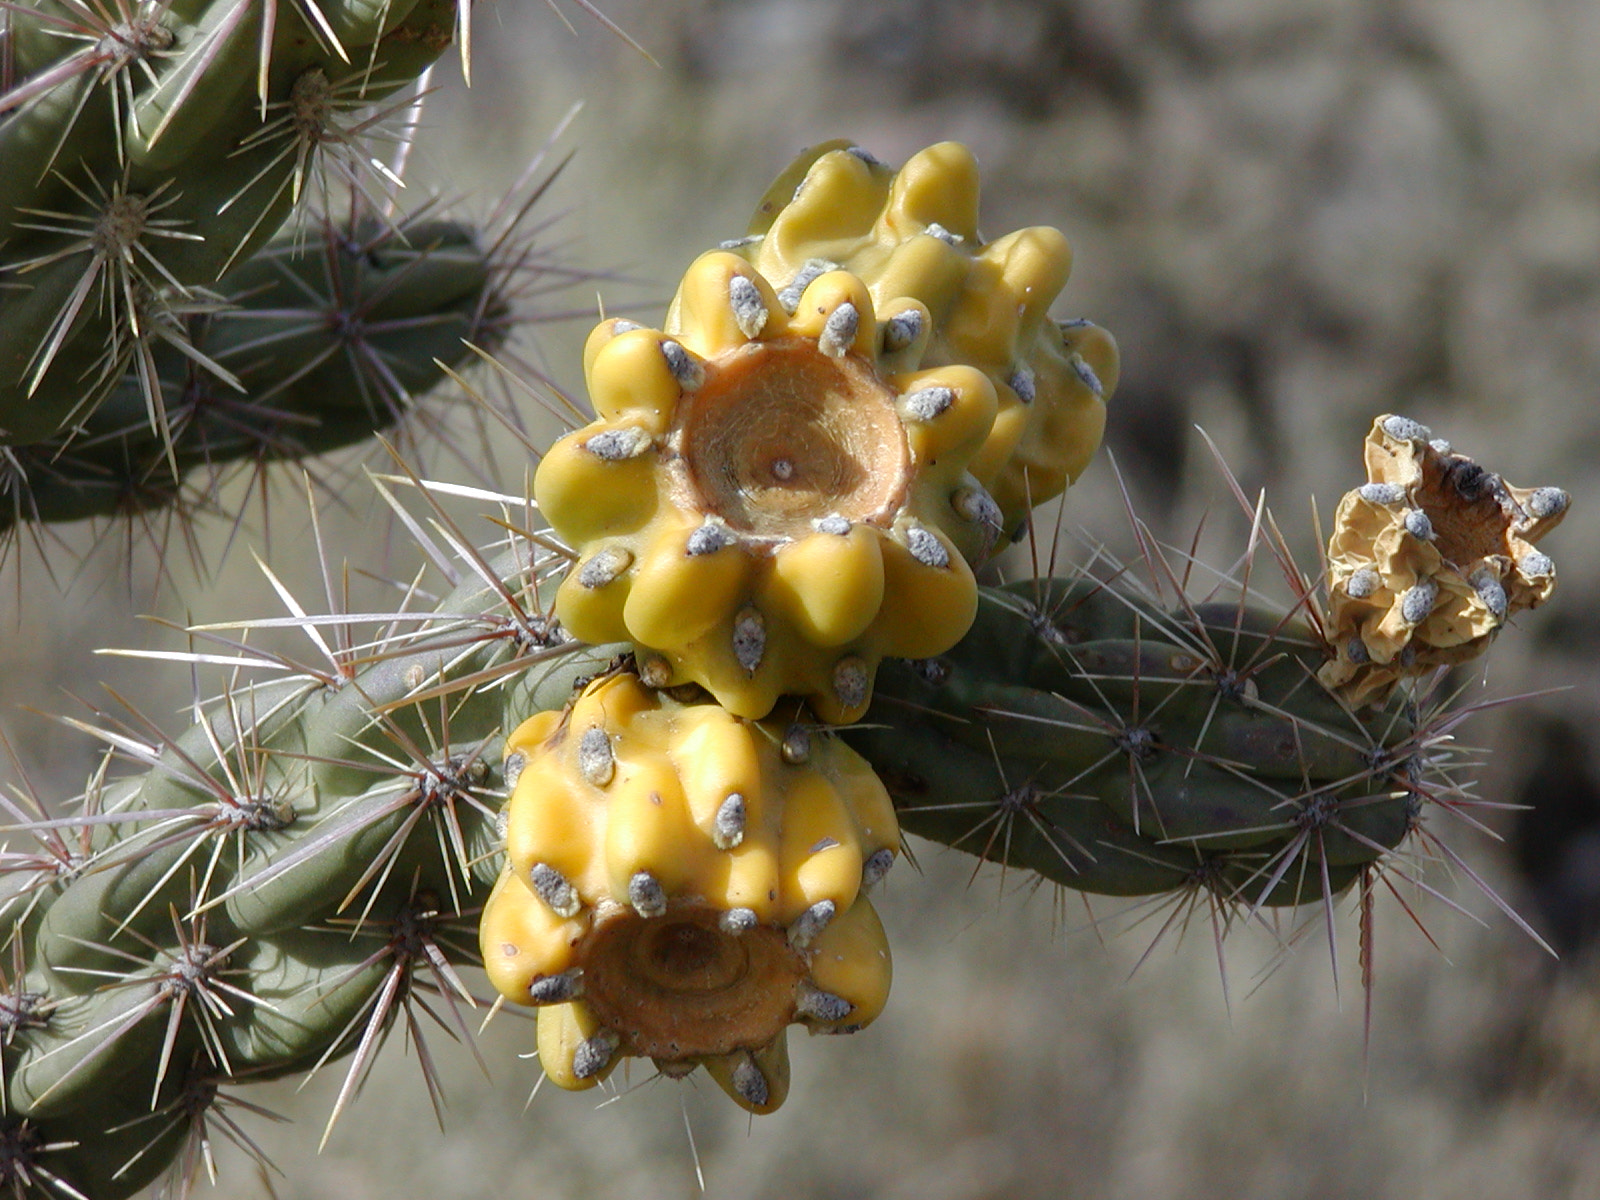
(683, 885)
(1428, 560)
(771, 502)
(914, 233)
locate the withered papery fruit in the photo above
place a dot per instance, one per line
(1427, 560)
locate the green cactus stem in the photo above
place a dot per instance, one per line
(313, 345)
(269, 891)
(157, 145)
(1114, 747)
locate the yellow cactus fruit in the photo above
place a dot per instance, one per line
(914, 234)
(682, 885)
(1428, 560)
(773, 496)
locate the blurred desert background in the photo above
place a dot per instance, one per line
(1294, 215)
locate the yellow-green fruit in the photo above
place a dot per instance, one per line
(682, 885)
(913, 234)
(773, 497)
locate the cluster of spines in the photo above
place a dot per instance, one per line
(150, 147)
(272, 890)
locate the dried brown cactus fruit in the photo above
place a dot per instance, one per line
(1428, 560)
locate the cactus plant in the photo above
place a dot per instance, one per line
(291, 871)
(314, 852)
(1116, 747)
(309, 347)
(692, 813)
(301, 353)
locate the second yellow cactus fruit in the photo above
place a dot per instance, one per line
(914, 233)
(682, 885)
(1427, 560)
(775, 495)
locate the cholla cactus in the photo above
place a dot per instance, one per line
(669, 838)
(152, 342)
(1086, 732)
(311, 346)
(149, 147)
(1123, 738)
